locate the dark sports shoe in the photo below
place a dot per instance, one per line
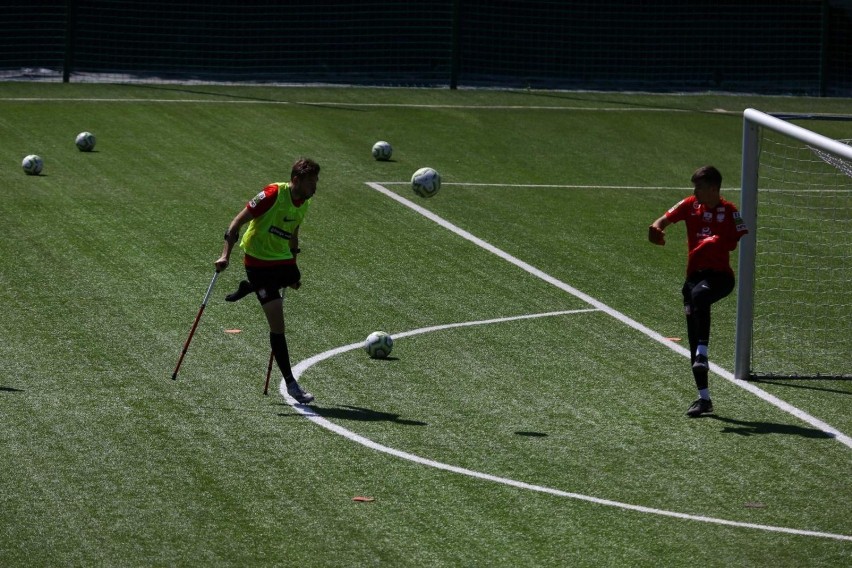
(244, 289)
(701, 362)
(699, 407)
(302, 396)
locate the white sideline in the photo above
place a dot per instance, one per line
(775, 401)
(309, 413)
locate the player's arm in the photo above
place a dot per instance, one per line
(294, 242)
(657, 230)
(737, 229)
(232, 235)
(728, 237)
(294, 248)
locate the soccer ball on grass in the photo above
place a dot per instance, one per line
(85, 141)
(32, 165)
(426, 182)
(382, 151)
(378, 345)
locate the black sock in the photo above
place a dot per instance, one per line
(701, 379)
(692, 333)
(282, 355)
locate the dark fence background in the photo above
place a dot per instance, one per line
(777, 47)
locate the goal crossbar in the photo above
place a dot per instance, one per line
(753, 122)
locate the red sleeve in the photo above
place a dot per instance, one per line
(263, 201)
(735, 229)
(680, 211)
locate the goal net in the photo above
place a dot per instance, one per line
(794, 309)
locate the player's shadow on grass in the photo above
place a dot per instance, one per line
(748, 428)
(10, 389)
(361, 415)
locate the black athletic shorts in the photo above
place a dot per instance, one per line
(268, 281)
(707, 287)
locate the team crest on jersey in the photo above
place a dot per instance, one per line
(720, 217)
(708, 215)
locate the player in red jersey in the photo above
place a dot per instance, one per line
(713, 229)
(271, 244)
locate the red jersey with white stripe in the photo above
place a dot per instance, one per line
(711, 233)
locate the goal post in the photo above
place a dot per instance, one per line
(794, 302)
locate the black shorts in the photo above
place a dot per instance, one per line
(268, 281)
(707, 287)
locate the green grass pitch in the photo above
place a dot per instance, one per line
(106, 257)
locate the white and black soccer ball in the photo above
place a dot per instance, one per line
(85, 141)
(426, 182)
(382, 151)
(32, 165)
(378, 345)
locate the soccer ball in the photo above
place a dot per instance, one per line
(426, 182)
(382, 151)
(378, 345)
(32, 165)
(85, 141)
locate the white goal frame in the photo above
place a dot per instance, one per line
(753, 122)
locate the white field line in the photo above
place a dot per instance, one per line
(545, 185)
(685, 190)
(250, 101)
(302, 366)
(786, 407)
(310, 414)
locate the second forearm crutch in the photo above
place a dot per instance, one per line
(268, 372)
(195, 324)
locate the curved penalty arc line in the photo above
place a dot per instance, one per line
(314, 417)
